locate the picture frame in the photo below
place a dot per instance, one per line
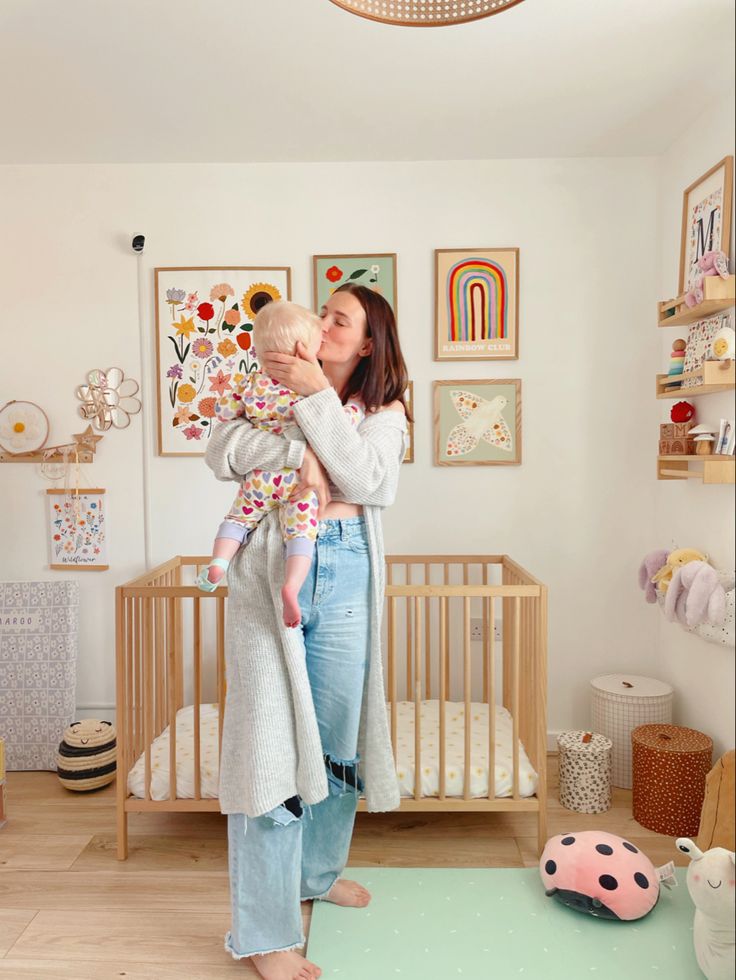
(476, 304)
(377, 270)
(409, 398)
(195, 359)
(464, 411)
(77, 530)
(706, 219)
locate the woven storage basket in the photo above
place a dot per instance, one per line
(585, 771)
(86, 757)
(670, 766)
(620, 703)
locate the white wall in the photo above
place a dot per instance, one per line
(689, 514)
(577, 513)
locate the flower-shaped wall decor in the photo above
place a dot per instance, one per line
(24, 427)
(107, 398)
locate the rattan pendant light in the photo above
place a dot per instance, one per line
(425, 13)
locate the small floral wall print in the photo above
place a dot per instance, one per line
(204, 336)
(378, 272)
(77, 529)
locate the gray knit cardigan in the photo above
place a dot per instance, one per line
(271, 747)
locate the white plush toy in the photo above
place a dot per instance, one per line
(711, 878)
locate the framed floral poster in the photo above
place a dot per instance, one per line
(476, 304)
(706, 219)
(409, 397)
(204, 325)
(76, 530)
(378, 272)
(477, 423)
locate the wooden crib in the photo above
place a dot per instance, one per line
(442, 620)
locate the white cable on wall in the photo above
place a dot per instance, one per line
(146, 420)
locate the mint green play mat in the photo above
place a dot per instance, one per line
(442, 923)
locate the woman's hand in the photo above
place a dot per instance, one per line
(312, 476)
(301, 374)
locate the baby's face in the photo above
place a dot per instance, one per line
(315, 344)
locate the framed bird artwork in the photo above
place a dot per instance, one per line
(477, 423)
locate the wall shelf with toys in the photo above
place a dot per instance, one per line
(718, 295)
(716, 375)
(716, 468)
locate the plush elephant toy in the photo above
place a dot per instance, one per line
(710, 881)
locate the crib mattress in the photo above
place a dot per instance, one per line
(429, 712)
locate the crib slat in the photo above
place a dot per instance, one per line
(220, 669)
(515, 695)
(443, 692)
(197, 700)
(392, 661)
(446, 577)
(417, 699)
(171, 690)
(138, 675)
(466, 685)
(427, 646)
(491, 670)
(486, 638)
(159, 724)
(409, 643)
(129, 695)
(148, 692)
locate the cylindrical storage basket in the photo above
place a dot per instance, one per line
(670, 766)
(585, 771)
(622, 702)
(87, 755)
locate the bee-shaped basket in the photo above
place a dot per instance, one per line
(86, 756)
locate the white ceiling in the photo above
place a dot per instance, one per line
(158, 81)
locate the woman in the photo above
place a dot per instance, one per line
(305, 720)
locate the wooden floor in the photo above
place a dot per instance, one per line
(69, 909)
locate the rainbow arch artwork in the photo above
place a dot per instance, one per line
(477, 301)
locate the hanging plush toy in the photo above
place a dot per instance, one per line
(710, 881)
(723, 345)
(710, 264)
(648, 569)
(675, 560)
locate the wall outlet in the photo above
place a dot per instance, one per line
(476, 631)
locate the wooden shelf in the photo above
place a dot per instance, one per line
(718, 295)
(716, 469)
(716, 375)
(84, 456)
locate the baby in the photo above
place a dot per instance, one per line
(278, 326)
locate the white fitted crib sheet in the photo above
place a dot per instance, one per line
(430, 753)
(455, 750)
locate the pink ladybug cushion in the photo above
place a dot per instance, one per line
(600, 874)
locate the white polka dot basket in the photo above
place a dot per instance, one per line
(585, 771)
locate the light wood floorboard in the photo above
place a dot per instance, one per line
(69, 909)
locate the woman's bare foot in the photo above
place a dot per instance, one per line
(292, 612)
(286, 965)
(349, 894)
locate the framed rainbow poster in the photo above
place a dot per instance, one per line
(476, 304)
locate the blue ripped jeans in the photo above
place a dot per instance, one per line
(296, 852)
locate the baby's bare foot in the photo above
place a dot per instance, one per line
(349, 894)
(215, 573)
(292, 612)
(287, 965)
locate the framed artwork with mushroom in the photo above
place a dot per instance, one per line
(377, 271)
(204, 337)
(477, 423)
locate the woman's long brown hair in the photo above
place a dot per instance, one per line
(381, 377)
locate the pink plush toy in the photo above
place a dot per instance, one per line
(651, 564)
(695, 595)
(710, 264)
(599, 873)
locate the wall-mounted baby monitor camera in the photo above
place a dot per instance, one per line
(138, 242)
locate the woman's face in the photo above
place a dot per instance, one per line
(344, 330)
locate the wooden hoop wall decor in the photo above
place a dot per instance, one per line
(425, 13)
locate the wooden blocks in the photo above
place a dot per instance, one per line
(673, 440)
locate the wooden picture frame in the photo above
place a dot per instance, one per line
(707, 199)
(185, 379)
(464, 410)
(409, 398)
(77, 530)
(331, 271)
(476, 304)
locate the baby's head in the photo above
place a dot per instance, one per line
(279, 325)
